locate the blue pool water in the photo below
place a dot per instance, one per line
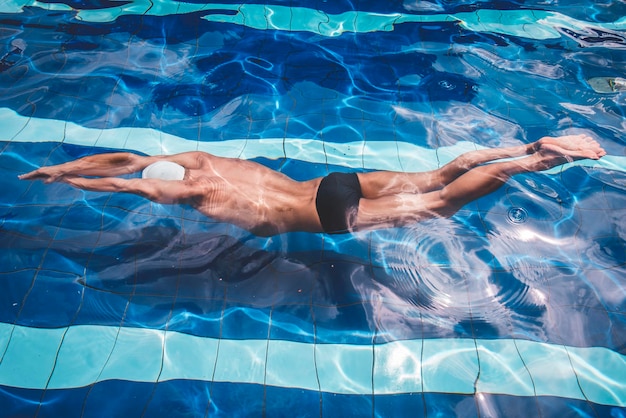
(114, 306)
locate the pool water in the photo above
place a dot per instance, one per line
(111, 305)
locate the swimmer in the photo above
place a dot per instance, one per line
(266, 202)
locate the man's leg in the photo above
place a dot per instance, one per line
(404, 208)
(385, 183)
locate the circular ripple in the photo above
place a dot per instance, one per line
(517, 215)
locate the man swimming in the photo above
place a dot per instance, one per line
(266, 202)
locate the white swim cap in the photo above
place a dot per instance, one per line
(164, 170)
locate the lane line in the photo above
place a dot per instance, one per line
(445, 365)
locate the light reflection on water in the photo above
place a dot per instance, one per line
(515, 279)
(445, 275)
(542, 259)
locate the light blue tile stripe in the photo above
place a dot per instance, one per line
(378, 155)
(72, 357)
(533, 24)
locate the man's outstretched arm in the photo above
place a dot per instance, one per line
(160, 191)
(110, 165)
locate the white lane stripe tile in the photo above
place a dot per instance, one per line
(91, 353)
(378, 155)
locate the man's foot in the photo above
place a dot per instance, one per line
(572, 147)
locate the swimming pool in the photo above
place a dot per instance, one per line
(115, 306)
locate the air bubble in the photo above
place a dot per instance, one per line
(518, 215)
(446, 85)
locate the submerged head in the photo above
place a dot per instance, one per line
(164, 170)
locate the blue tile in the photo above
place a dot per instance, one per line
(51, 289)
(617, 336)
(406, 404)
(509, 406)
(331, 322)
(17, 402)
(14, 286)
(344, 283)
(38, 223)
(334, 404)
(81, 224)
(450, 405)
(286, 402)
(179, 398)
(101, 308)
(203, 285)
(236, 400)
(149, 311)
(293, 323)
(245, 322)
(69, 258)
(202, 317)
(131, 400)
(571, 408)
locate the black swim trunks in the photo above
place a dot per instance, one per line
(337, 202)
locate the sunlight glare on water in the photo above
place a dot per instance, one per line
(515, 303)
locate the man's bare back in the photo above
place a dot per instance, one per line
(266, 202)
